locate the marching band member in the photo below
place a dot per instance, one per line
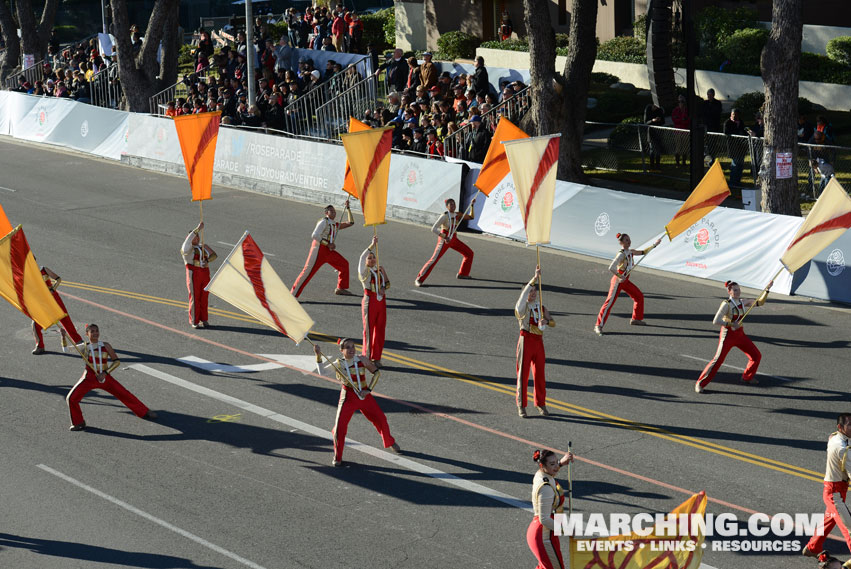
(356, 395)
(197, 257)
(531, 357)
(446, 229)
(733, 335)
(374, 303)
(547, 500)
(97, 376)
(67, 330)
(621, 268)
(323, 249)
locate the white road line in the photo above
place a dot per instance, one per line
(704, 360)
(151, 518)
(265, 254)
(350, 444)
(450, 299)
(7, 189)
(306, 363)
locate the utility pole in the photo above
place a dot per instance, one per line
(696, 166)
(250, 53)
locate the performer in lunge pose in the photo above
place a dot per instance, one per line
(67, 330)
(323, 249)
(531, 357)
(733, 335)
(547, 500)
(197, 257)
(620, 268)
(374, 303)
(356, 395)
(97, 376)
(446, 229)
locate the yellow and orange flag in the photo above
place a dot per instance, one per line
(495, 166)
(5, 226)
(247, 281)
(349, 180)
(21, 282)
(198, 135)
(654, 551)
(709, 193)
(829, 218)
(368, 153)
(534, 164)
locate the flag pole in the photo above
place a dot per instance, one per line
(83, 355)
(748, 311)
(375, 234)
(540, 280)
(338, 370)
(466, 213)
(569, 483)
(201, 207)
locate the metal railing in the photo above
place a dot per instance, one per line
(513, 109)
(180, 89)
(105, 88)
(332, 118)
(31, 74)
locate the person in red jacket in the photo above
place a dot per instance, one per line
(67, 330)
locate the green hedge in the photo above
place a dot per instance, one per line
(605, 79)
(613, 105)
(625, 136)
(743, 49)
(713, 25)
(839, 50)
(626, 49)
(454, 45)
(375, 29)
(820, 68)
(508, 45)
(751, 103)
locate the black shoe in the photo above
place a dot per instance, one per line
(80, 427)
(151, 416)
(38, 351)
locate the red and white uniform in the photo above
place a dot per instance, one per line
(622, 264)
(446, 229)
(197, 262)
(373, 307)
(732, 336)
(98, 358)
(66, 322)
(547, 500)
(835, 489)
(324, 235)
(531, 357)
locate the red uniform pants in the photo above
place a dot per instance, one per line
(89, 382)
(66, 324)
(196, 279)
(349, 403)
(832, 517)
(729, 339)
(544, 544)
(442, 247)
(531, 358)
(615, 288)
(374, 313)
(318, 256)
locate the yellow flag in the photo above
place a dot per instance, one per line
(21, 282)
(681, 551)
(709, 193)
(349, 180)
(534, 163)
(5, 226)
(368, 153)
(495, 166)
(829, 218)
(198, 135)
(247, 281)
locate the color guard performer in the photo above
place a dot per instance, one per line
(547, 500)
(67, 329)
(621, 268)
(374, 303)
(733, 335)
(97, 376)
(446, 229)
(197, 257)
(356, 395)
(531, 357)
(323, 249)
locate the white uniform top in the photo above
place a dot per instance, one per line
(837, 452)
(623, 262)
(446, 225)
(544, 498)
(371, 278)
(325, 231)
(189, 252)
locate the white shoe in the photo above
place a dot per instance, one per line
(521, 411)
(598, 330)
(698, 388)
(417, 283)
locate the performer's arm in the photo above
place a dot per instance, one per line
(648, 249)
(113, 358)
(186, 248)
(437, 228)
(521, 309)
(613, 268)
(363, 270)
(472, 213)
(762, 298)
(211, 255)
(319, 230)
(722, 317)
(349, 219)
(550, 322)
(546, 496)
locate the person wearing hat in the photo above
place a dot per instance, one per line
(477, 141)
(434, 148)
(323, 249)
(446, 229)
(428, 71)
(418, 143)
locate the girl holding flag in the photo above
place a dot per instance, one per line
(374, 304)
(547, 500)
(531, 358)
(446, 229)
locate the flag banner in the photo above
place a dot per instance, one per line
(829, 218)
(21, 282)
(5, 226)
(247, 281)
(197, 135)
(368, 153)
(348, 179)
(657, 550)
(495, 167)
(534, 163)
(709, 193)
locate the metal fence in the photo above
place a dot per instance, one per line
(105, 88)
(513, 109)
(332, 117)
(180, 89)
(31, 74)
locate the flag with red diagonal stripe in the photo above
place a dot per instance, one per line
(348, 179)
(247, 281)
(495, 166)
(534, 164)
(198, 135)
(709, 193)
(368, 153)
(829, 218)
(21, 282)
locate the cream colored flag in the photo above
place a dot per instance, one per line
(534, 163)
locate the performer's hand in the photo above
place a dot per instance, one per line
(101, 377)
(200, 226)
(566, 459)
(374, 241)
(656, 243)
(332, 247)
(769, 285)
(347, 204)
(542, 323)
(317, 350)
(538, 271)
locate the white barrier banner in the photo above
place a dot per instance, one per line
(4, 112)
(422, 184)
(154, 138)
(114, 146)
(20, 105)
(87, 127)
(43, 118)
(828, 275)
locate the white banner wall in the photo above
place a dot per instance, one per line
(4, 112)
(43, 118)
(20, 106)
(828, 275)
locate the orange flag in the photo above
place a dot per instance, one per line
(534, 164)
(349, 182)
(198, 135)
(368, 152)
(5, 226)
(709, 193)
(495, 167)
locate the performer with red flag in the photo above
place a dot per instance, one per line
(197, 257)
(531, 357)
(323, 249)
(446, 229)
(52, 281)
(547, 500)
(374, 304)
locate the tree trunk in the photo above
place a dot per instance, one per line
(542, 117)
(171, 47)
(45, 26)
(35, 36)
(781, 59)
(12, 53)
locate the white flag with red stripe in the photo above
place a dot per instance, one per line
(533, 163)
(247, 281)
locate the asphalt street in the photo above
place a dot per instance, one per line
(237, 470)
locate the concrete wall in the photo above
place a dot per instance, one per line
(410, 25)
(816, 37)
